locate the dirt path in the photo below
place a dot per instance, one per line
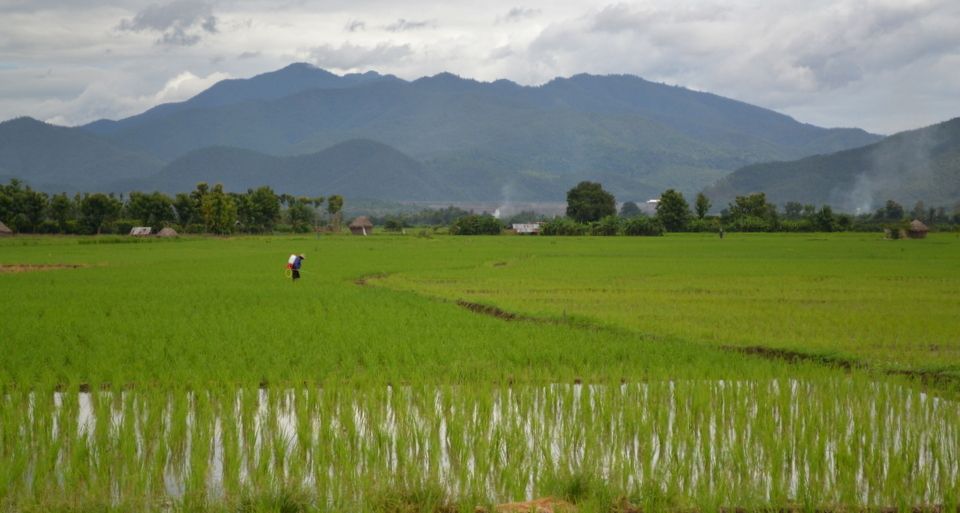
(26, 268)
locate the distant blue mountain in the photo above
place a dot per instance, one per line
(56, 158)
(292, 79)
(478, 140)
(916, 165)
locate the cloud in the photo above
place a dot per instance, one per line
(885, 65)
(518, 14)
(403, 25)
(356, 26)
(180, 23)
(349, 56)
(186, 85)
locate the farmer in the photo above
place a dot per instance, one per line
(293, 264)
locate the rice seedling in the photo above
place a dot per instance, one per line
(212, 384)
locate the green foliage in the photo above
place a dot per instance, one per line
(607, 226)
(22, 207)
(301, 215)
(477, 225)
(123, 226)
(99, 209)
(588, 202)
(704, 225)
(673, 211)
(630, 210)
(643, 226)
(752, 213)
(260, 210)
(824, 220)
(155, 210)
(563, 226)
(219, 211)
(891, 211)
(335, 209)
(702, 205)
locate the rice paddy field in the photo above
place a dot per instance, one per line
(405, 374)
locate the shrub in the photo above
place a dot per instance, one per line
(703, 225)
(123, 226)
(800, 225)
(563, 226)
(476, 225)
(194, 228)
(609, 225)
(751, 224)
(643, 226)
(72, 227)
(48, 227)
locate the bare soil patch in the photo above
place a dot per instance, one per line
(488, 310)
(26, 268)
(544, 505)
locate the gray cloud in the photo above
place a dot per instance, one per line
(348, 56)
(403, 25)
(884, 65)
(356, 26)
(180, 23)
(518, 14)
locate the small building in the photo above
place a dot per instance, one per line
(917, 230)
(361, 226)
(140, 231)
(5, 230)
(526, 228)
(167, 232)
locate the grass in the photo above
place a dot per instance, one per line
(218, 385)
(891, 304)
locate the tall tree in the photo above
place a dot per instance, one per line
(61, 210)
(673, 211)
(301, 215)
(588, 202)
(264, 209)
(98, 210)
(154, 209)
(335, 209)
(891, 211)
(702, 205)
(630, 210)
(188, 211)
(919, 211)
(793, 210)
(219, 211)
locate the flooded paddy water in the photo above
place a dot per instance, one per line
(830, 442)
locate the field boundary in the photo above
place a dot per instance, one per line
(939, 379)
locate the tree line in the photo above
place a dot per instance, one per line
(593, 211)
(206, 209)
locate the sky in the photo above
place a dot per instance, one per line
(881, 65)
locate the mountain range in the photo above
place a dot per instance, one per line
(916, 165)
(304, 130)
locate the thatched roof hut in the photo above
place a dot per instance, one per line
(361, 226)
(167, 232)
(4, 230)
(917, 230)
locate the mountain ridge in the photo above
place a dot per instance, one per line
(480, 139)
(915, 165)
